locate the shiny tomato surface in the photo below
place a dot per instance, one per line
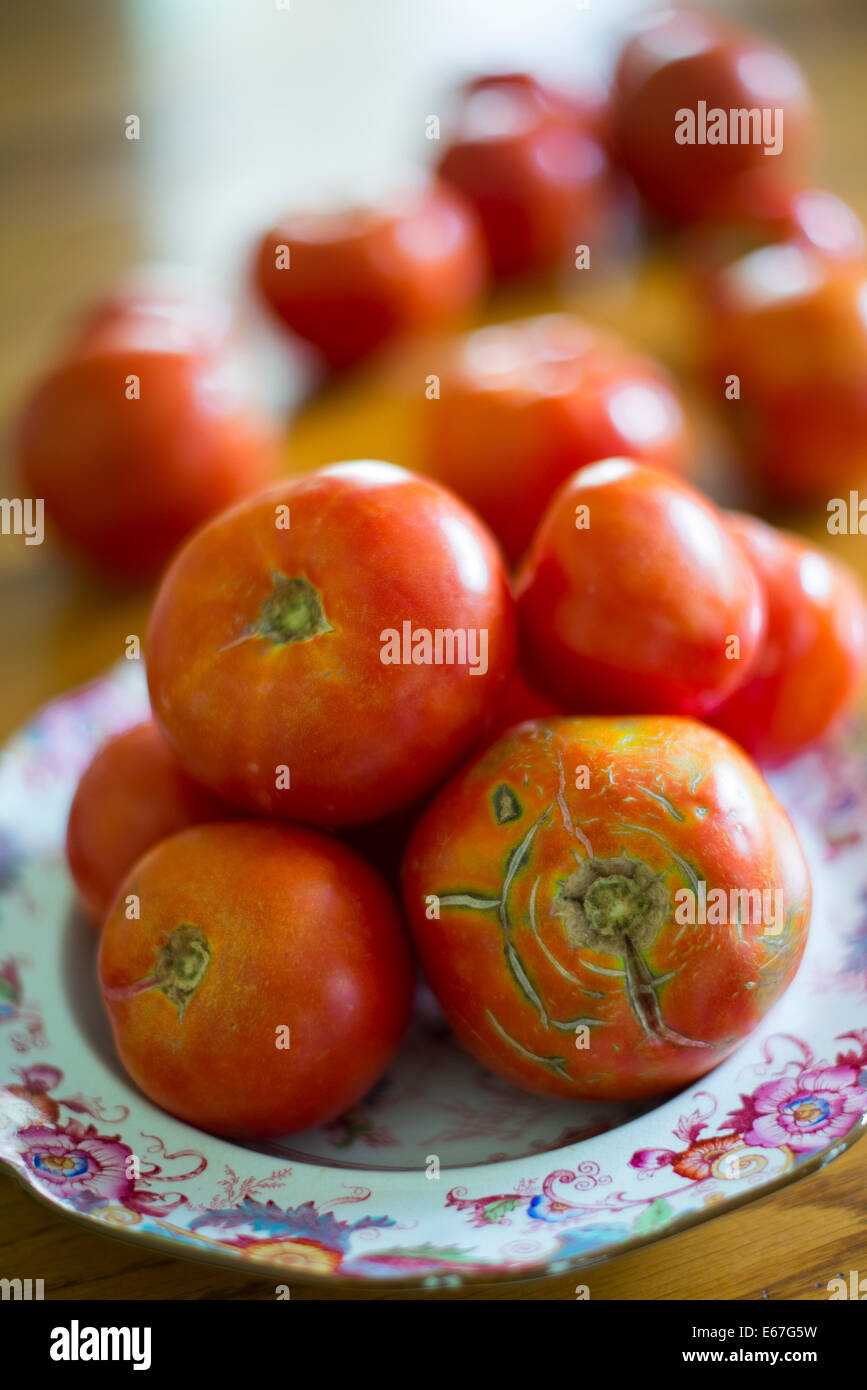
(525, 403)
(683, 60)
(635, 598)
(139, 434)
(133, 794)
(326, 651)
(814, 654)
(531, 162)
(790, 324)
(574, 898)
(266, 983)
(350, 281)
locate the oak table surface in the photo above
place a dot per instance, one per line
(70, 222)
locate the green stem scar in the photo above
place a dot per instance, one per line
(292, 612)
(181, 964)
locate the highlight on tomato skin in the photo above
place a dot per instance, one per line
(351, 280)
(266, 984)
(606, 908)
(531, 160)
(678, 79)
(787, 324)
(326, 651)
(813, 658)
(634, 597)
(526, 402)
(131, 795)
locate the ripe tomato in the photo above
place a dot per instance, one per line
(267, 983)
(634, 597)
(327, 651)
(682, 61)
(790, 324)
(132, 795)
(814, 654)
(137, 435)
(573, 898)
(531, 163)
(525, 403)
(349, 282)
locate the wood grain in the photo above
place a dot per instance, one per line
(72, 203)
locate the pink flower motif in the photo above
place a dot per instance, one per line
(76, 1162)
(803, 1112)
(652, 1158)
(41, 1078)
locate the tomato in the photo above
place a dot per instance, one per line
(523, 404)
(814, 654)
(132, 795)
(574, 898)
(532, 164)
(635, 598)
(138, 434)
(328, 650)
(266, 984)
(790, 324)
(349, 282)
(679, 69)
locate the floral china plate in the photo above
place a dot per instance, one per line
(445, 1174)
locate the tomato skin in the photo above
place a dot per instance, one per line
(525, 403)
(634, 612)
(125, 480)
(359, 278)
(534, 168)
(814, 654)
(301, 934)
(372, 546)
(789, 323)
(132, 795)
(505, 851)
(682, 57)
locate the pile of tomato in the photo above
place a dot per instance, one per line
(504, 717)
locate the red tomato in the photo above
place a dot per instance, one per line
(358, 278)
(814, 654)
(531, 162)
(267, 983)
(125, 476)
(328, 650)
(692, 166)
(523, 404)
(571, 897)
(635, 598)
(132, 795)
(790, 324)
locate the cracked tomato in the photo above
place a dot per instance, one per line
(265, 985)
(606, 908)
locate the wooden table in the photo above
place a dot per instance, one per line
(73, 215)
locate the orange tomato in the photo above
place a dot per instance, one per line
(606, 908)
(266, 984)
